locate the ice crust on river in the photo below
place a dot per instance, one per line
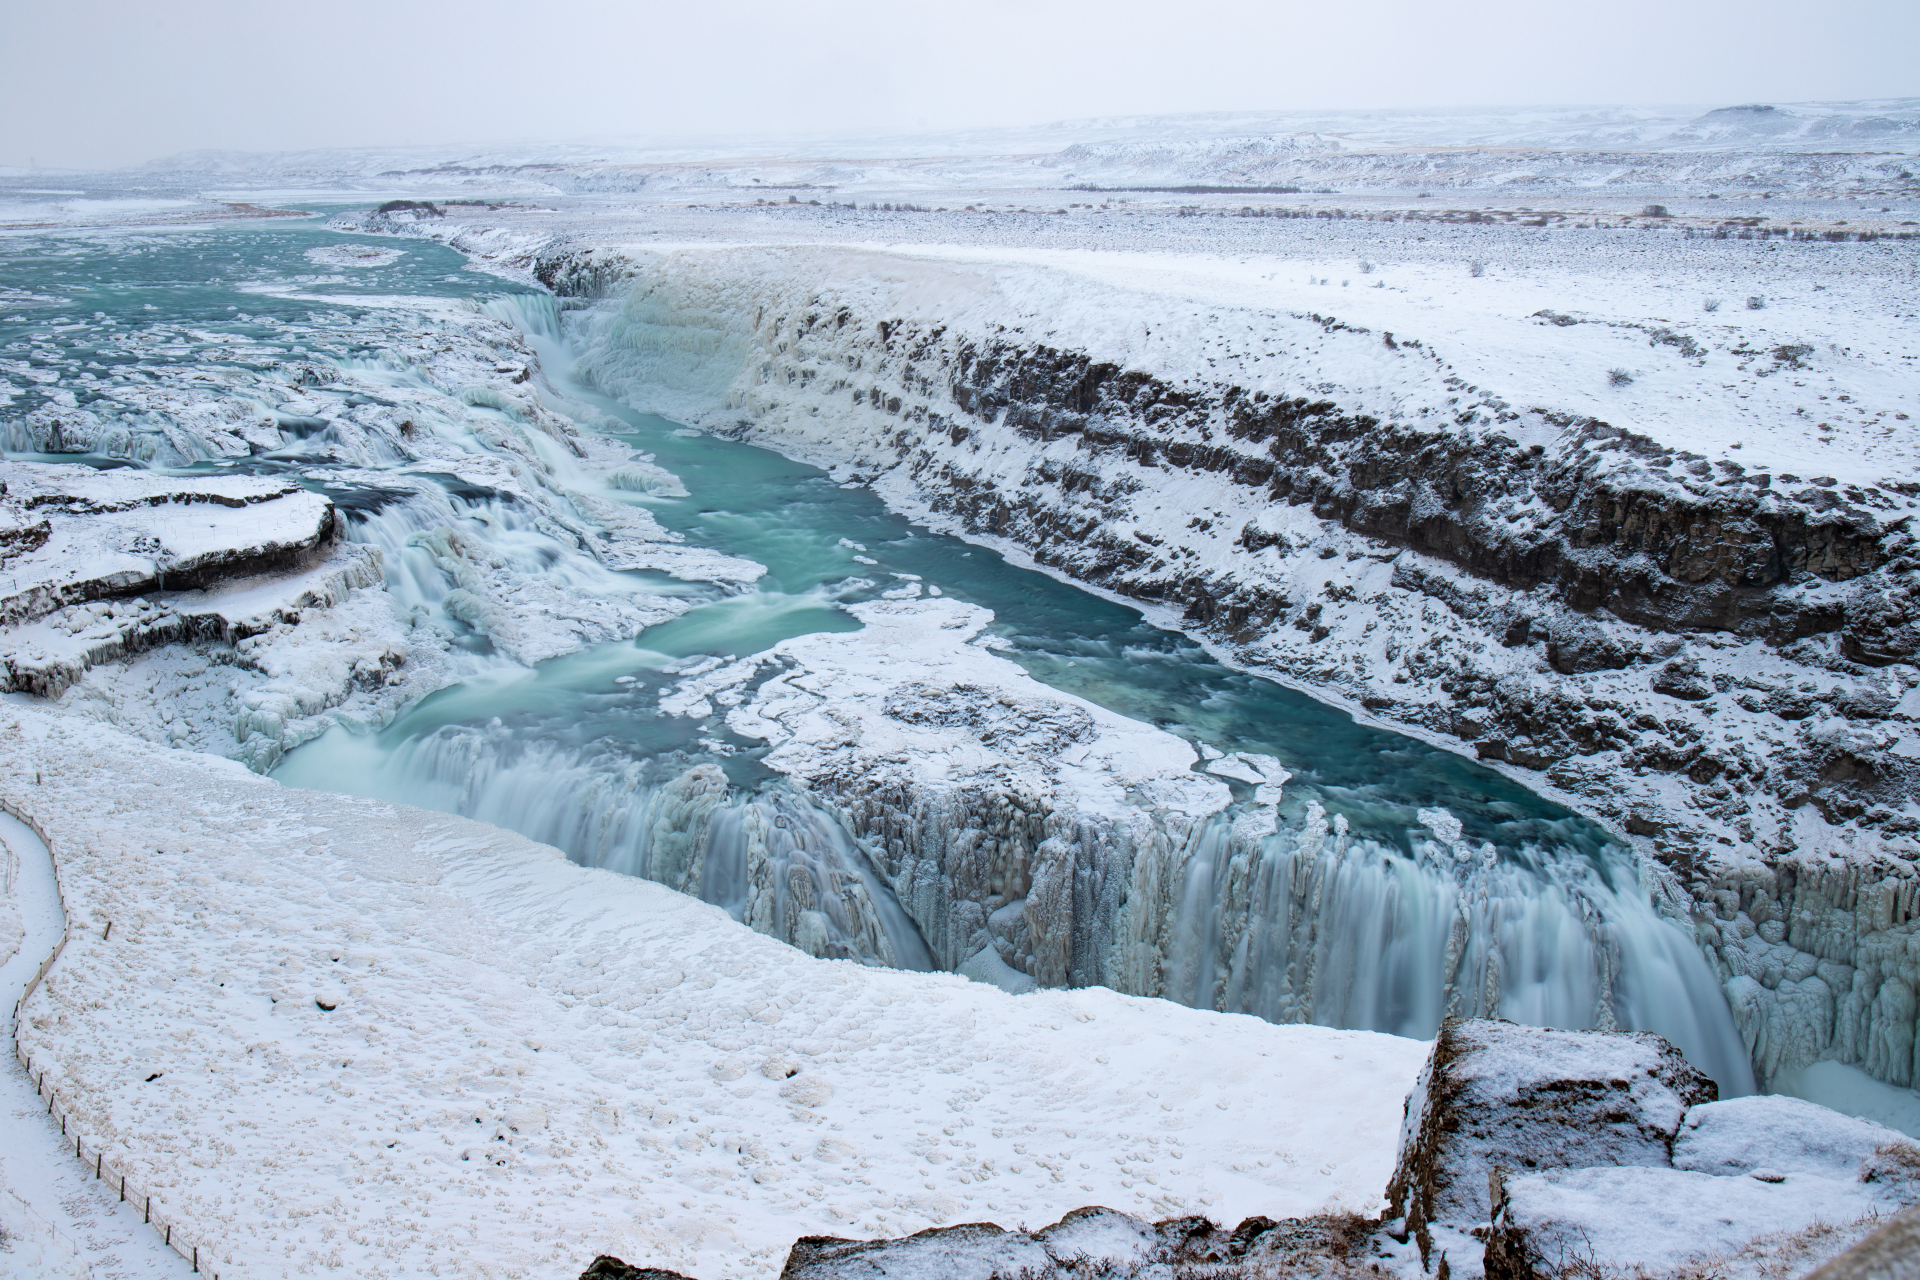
(335, 1032)
(908, 690)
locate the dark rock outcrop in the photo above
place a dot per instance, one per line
(607, 1267)
(1650, 533)
(1096, 1242)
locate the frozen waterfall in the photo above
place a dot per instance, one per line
(1313, 925)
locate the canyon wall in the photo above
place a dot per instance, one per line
(1716, 661)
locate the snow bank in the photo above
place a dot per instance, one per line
(1665, 1221)
(418, 1041)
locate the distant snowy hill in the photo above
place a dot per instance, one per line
(1202, 141)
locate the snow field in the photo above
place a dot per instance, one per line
(336, 1034)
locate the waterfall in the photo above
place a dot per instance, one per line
(1314, 925)
(1302, 921)
(787, 867)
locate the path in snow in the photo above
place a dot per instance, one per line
(50, 1212)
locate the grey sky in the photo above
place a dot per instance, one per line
(109, 82)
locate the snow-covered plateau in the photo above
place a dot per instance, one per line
(1578, 444)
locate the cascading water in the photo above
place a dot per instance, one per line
(1314, 925)
(771, 858)
(787, 867)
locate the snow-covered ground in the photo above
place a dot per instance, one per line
(336, 1034)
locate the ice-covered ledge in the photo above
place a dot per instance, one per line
(1022, 829)
(74, 534)
(424, 1041)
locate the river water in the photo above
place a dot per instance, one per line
(1526, 910)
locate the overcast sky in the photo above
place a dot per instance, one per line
(98, 83)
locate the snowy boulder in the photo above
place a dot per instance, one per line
(1759, 1179)
(1498, 1096)
(1681, 678)
(52, 429)
(21, 532)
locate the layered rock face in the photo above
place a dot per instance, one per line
(1594, 587)
(72, 535)
(1495, 1096)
